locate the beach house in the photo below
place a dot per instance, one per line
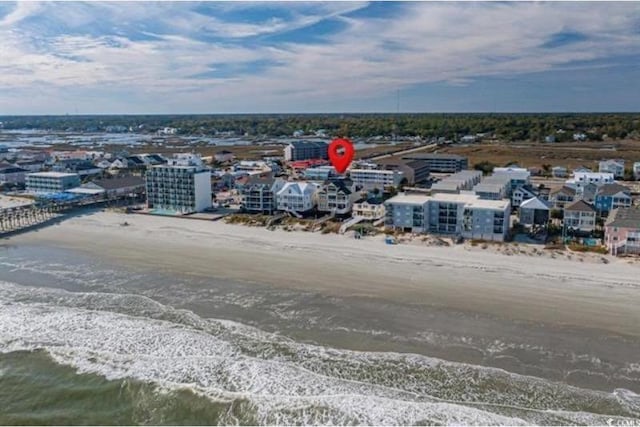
(579, 216)
(369, 209)
(298, 197)
(622, 231)
(337, 196)
(259, 194)
(613, 166)
(559, 197)
(533, 212)
(612, 196)
(522, 193)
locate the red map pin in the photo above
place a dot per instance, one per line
(341, 161)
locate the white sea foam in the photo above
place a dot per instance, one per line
(127, 336)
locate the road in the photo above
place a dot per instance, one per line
(410, 150)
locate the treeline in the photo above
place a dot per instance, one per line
(511, 127)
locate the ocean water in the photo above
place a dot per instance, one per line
(85, 342)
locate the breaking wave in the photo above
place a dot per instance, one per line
(280, 381)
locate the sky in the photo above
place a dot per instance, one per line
(308, 57)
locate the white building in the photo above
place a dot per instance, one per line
(297, 197)
(581, 179)
(252, 167)
(517, 176)
(369, 179)
(51, 182)
(636, 171)
(185, 159)
(180, 189)
(224, 156)
(614, 166)
(521, 194)
(579, 216)
(337, 196)
(368, 210)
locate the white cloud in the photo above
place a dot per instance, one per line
(437, 42)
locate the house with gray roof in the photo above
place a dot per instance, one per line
(534, 212)
(622, 231)
(580, 216)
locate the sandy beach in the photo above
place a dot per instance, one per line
(520, 287)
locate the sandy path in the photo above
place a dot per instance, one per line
(537, 289)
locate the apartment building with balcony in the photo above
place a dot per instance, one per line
(306, 150)
(464, 214)
(51, 182)
(179, 189)
(440, 163)
(369, 179)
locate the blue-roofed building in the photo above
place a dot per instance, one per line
(612, 196)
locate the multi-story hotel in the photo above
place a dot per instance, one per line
(464, 214)
(182, 189)
(51, 182)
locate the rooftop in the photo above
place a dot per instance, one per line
(612, 189)
(624, 217)
(119, 182)
(580, 206)
(52, 174)
(468, 199)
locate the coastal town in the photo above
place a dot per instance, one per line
(415, 190)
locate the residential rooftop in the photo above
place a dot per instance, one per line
(52, 174)
(624, 217)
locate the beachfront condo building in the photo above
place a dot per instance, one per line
(178, 189)
(51, 182)
(369, 179)
(306, 150)
(464, 214)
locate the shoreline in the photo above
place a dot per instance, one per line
(519, 287)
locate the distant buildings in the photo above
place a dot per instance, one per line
(118, 186)
(12, 174)
(636, 171)
(180, 189)
(580, 179)
(515, 175)
(306, 150)
(614, 166)
(414, 171)
(459, 181)
(320, 173)
(51, 182)
(440, 163)
(224, 156)
(463, 214)
(299, 197)
(622, 231)
(369, 179)
(559, 172)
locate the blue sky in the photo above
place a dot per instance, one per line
(237, 57)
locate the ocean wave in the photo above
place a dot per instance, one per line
(282, 381)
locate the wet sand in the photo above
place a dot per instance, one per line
(586, 295)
